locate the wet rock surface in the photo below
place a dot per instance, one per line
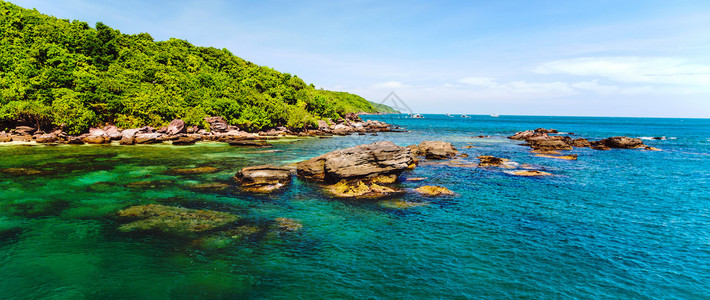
(381, 158)
(263, 178)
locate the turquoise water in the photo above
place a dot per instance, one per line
(613, 224)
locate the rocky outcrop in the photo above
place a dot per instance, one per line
(361, 188)
(263, 179)
(431, 190)
(580, 143)
(381, 158)
(112, 132)
(184, 140)
(46, 138)
(437, 150)
(171, 220)
(623, 142)
(491, 161)
(147, 138)
(217, 124)
(176, 126)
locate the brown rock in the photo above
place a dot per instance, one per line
(112, 132)
(187, 140)
(487, 160)
(381, 158)
(530, 173)
(651, 148)
(147, 138)
(623, 142)
(431, 190)
(176, 126)
(580, 143)
(437, 149)
(263, 179)
(74, 140)
(217, 124)
(549, 145)
(46, 138)
(96, 139)
(360, 189)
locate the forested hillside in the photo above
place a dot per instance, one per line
(61, 73)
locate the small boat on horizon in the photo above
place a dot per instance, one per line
(495, 115)
(417, 116)
(464, 116)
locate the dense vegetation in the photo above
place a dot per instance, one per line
(61, 73)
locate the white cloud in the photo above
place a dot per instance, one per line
(389, 85)
(479, 81)
(648, 70)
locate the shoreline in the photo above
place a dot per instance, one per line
(180, 135)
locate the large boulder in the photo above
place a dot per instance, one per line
(96, 139)
(4, 137)
(217, 124)
(172, 220)
(580, 143)
(437, 150)
(46, 138)
(147, 138)
(549, 144)
(263, 179)
(189, 139)
(113, 132)
(362, 161)
(623, 142)
(176, 126)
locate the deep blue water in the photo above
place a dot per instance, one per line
(613, 224)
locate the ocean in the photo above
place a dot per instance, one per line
(622, 224)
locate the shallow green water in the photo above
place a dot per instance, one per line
(616, 224)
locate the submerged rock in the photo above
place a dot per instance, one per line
(263, 179)
(247, 143)
(437, 149)
(488, 160)
(23, 171)
(172, 220)
(565, 157)
(652, 148)
(381, 158)
(431, 190)
(193, 171)
(530, 173)
(288, 225)
(360, 189)
(401, 204)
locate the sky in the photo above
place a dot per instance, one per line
(570, 58)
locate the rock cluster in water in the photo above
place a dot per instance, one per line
(542, 142)
(178, 133)
(364, 171)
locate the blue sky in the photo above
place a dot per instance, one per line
(589, 58)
